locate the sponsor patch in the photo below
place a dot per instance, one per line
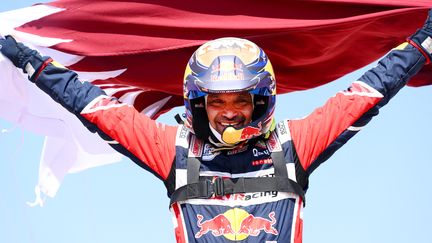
(208, 152)
(258, 153)
(268, 161)
(427, 44)
(238, 149)
(196, 147)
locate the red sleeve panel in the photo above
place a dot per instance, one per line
(319, 135)
(332, 124)
(152, 143)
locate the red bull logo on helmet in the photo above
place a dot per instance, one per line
(236, 224)
(246, 50)
(231, 135)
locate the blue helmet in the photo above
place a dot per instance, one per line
(229, 65)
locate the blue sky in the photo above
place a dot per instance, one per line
(375, 189)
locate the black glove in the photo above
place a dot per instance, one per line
(422, 39)
(21, 55)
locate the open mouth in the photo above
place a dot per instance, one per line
(236, 125)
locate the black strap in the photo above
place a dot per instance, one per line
(193, 167)
(178, 119)
(219, 187)
(279, 164)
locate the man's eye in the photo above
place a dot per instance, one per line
(216, 102)
(243, 102)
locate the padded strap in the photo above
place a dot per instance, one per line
(206, 189)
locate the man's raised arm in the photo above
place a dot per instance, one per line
(148, 143)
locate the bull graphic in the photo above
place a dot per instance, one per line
(252, 225)
(219, 225)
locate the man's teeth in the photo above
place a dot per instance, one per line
(228, 124)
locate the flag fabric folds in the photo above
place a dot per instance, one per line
(137, 52)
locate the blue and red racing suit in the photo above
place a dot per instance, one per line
(264, 216)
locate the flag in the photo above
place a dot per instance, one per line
(137, 52)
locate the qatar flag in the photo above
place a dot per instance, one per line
(137, 52)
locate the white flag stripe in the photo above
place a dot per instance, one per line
(109, 85)
(153, 109)
(63, 58)
(36, 40)
(129, 98)
(91, 76)
(112, 91)
(11, 19)
(69, 146)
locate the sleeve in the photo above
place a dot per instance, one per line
(325, 130)
(146, 142)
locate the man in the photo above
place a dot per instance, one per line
(231, 172)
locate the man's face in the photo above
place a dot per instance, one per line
(230, 109)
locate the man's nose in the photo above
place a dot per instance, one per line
(230, 113)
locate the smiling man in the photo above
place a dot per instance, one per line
(231, 172)
(230, 109)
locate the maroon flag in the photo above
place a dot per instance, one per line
(310, 42)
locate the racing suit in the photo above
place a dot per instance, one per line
(269, 216)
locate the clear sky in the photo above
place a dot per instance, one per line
(375, 189)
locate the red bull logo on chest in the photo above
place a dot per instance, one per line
(236, 224)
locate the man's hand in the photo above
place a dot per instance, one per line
(21, 56)
(422, 39)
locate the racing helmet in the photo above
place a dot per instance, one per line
(228, 65)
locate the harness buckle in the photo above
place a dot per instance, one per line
(216, 187)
